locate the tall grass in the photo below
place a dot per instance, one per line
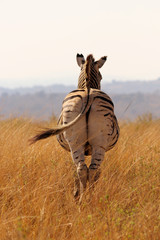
(36, 187)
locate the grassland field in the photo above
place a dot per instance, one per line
(36, 187)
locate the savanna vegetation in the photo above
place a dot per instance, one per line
(36, 187)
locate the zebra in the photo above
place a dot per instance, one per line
(87, 124)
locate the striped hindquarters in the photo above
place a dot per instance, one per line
(100, 118)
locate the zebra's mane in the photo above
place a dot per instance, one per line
(89, 62)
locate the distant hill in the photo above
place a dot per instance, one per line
(127, 87)
(56, 88)
(114, 87)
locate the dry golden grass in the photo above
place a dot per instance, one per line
(36, 185)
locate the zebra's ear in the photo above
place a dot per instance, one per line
(80, 59)
(101, 61)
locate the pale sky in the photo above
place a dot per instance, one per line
(39, 39)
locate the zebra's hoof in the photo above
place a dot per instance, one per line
(93, 175)
(76, 194)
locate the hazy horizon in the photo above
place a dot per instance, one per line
(40, 39)
(43, 83)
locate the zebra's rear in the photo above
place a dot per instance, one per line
(98, 126)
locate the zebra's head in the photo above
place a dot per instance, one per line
(90, 75)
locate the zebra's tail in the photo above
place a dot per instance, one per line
(61, 128)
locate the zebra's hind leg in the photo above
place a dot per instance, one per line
(82, 171)
(94, 168)
(76, 186)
